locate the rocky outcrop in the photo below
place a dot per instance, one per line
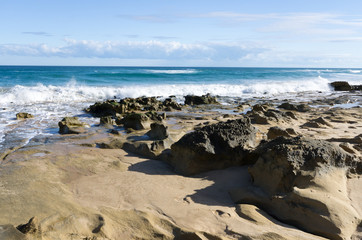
(292, 107)
(345, 86)
(158, 131)
(127, 105)
(107, 108)
(302, 182)
(139, 121)
(275, 132)
(264, 114)
(198, 100)
(317, 123)
(214, 146)
(71, 125)
(23, 115)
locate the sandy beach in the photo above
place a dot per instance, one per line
(87, 186)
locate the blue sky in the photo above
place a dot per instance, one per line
(241, 33)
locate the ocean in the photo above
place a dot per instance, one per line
(51, 93)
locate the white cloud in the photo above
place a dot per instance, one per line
(134, 50)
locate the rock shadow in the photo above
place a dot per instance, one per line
(217, 194)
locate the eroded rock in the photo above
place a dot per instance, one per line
(198, 100)
(158, 131)
(71, 125)
(298, 108)
(214, 146)
(303, 182)
(275, 132)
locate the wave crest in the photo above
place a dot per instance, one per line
(73, 92)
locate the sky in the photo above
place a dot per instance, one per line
(228, 33)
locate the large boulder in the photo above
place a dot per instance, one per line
(214, 146)
(303, 182)
(341, 86)
(71, 125)
(107, 108)
(198, 100)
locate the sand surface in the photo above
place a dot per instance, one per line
(79, 191)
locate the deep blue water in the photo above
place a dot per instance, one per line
(122, 76)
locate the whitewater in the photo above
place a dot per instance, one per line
(51, 93)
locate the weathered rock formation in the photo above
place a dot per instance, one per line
(214, 146)
(127, 105)
(317, 123)
(158, 131)
(139, 121)
(345, 86)
(71, 125)
(302, 182)
(275, 132)
(264, 114)
(298, 108)
(198, 100)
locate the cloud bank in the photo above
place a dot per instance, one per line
(134, 50)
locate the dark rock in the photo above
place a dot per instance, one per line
(299, 108)
(136, 121)
(198, 100)
(292, 179)
(171, 104)
(258, 118)
(259, 108)
(139, 121)
(214, 146)
(30, 227)
(107, 108)
(23, 115)
(71, 125)
(341, 86)
(158, 131)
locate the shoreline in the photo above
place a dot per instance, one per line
(84, 185)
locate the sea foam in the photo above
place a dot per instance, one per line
(73, 92)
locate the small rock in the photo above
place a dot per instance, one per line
(30, 227)
(23, 115)
(275, 132)
(158, 131)
(71, 125)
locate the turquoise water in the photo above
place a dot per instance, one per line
(121, 76)
(37, 84)
(51, 93)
